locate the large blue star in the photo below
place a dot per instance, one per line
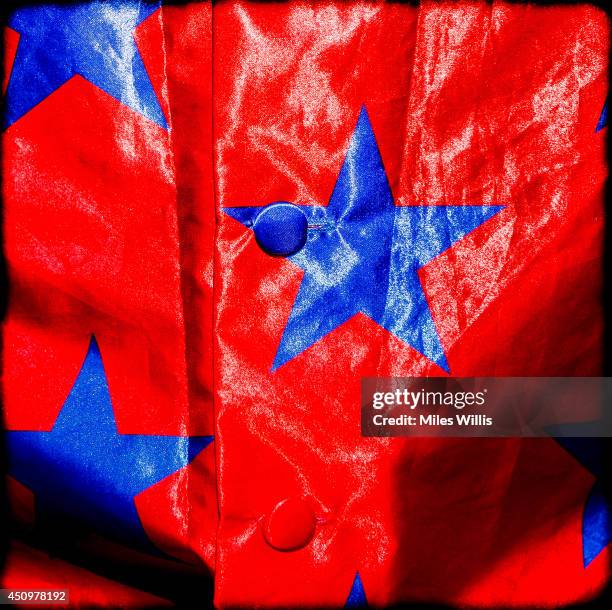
(85, 470)
(596, 523)
(92, 39)
(362, 254)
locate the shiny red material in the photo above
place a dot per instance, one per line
(471, 104)
(108, 223)
(114, 226)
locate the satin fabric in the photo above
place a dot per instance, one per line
(471, 104)
(115, 226)
(108, 225)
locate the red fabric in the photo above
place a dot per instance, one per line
(109, 231)
(114, 226)
(470, 104)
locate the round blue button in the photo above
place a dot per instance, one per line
(281, 229)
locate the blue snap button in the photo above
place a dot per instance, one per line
(281, 229)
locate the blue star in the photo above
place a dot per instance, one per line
(362, 253)
(596, 526)
(85, 470)
(603, 119)
(357, 597)
(92, 39)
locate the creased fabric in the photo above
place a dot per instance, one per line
(470, 105)
(219, 218)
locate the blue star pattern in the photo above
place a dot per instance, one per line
(85, 470)
(363, 253)
(92, 39)
(596, 526)
(357, 597)
(603, 119)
